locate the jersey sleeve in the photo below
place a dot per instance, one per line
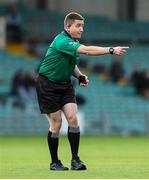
(68, 46)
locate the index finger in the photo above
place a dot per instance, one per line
(125, 47)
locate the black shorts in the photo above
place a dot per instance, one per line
(53, 96)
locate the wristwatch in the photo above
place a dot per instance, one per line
(111, 50)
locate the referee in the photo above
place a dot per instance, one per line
(54, 88)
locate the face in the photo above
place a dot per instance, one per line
(76, 29)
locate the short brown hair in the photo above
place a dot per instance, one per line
(71, 17)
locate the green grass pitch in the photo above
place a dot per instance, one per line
(105, 157)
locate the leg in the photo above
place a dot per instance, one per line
(55, 122)
(70, 111)
(54, 127)
(49, 100)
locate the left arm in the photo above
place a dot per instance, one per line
(96, 50)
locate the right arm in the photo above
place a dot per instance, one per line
(96, 50)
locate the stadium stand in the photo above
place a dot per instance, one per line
(114, 107)
(48, 23)
(106, 29)
(109, 108)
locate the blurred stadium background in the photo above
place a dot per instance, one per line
(105, 107)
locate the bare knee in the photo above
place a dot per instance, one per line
(72, 120)
(56, 126)
(55, 123)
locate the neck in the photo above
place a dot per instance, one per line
(69, 35)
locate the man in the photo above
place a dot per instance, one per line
(55, 91)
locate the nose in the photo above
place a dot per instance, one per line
(81, 29)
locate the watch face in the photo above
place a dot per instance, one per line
(111, 50)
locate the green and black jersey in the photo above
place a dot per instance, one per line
(60, 59)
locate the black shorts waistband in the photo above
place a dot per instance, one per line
(58, 83)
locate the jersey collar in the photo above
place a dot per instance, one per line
(69, 35)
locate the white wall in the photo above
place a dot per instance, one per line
(142, 10)
(2, 32)
(95, 7)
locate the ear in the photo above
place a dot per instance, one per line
(67, 29)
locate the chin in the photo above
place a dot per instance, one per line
(79, 37)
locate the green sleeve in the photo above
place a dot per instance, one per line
(68, 46)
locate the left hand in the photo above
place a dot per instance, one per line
(120, 50)
(83, 80)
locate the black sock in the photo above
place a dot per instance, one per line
(74, 139)
(53, 145)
